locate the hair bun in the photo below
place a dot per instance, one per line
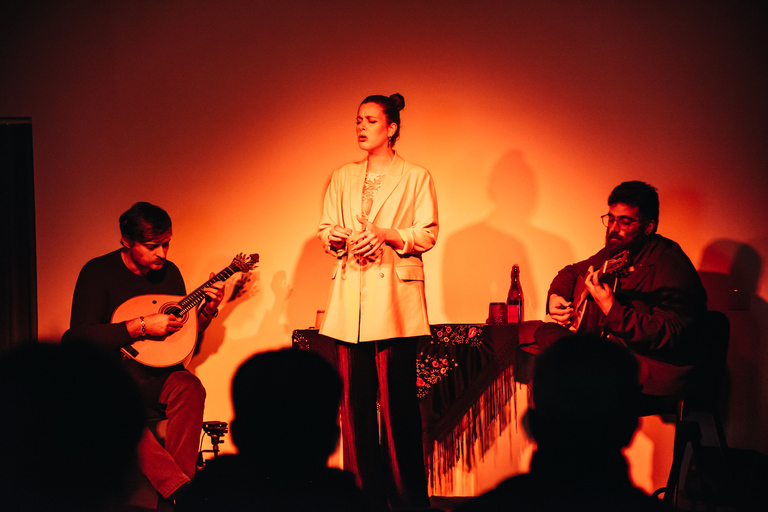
(398, 100)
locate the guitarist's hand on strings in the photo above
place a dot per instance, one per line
(213, 297)
(157, 324)
(601, 292)
(560, 310)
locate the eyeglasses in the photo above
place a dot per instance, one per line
(624, 222)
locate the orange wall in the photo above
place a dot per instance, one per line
(232, 116)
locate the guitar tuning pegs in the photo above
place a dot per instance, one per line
(246, 262)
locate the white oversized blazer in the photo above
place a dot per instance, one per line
(382, 298)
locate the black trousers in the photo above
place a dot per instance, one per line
(383, 447)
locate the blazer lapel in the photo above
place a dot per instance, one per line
(356, 186)
(388, 184)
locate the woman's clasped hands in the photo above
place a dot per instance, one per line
(363, 244)
(368, 242)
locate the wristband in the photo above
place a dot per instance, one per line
(143, 326)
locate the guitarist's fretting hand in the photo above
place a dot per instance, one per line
(214, 294)
(601, 292)
(560, 310)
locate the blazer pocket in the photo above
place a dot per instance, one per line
(410, 273)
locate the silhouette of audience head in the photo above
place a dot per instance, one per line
(585, 396)
(286, 409)
(71, 419)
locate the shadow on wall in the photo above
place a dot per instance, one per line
(311, 282)
(272, 333)
(311, 278)
(479, 258)
(299, 302)
(213, 338)
(731, 271)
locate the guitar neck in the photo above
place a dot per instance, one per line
(613, 265)
(196, 297)
(601, 272)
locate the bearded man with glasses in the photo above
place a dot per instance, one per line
(639, 290)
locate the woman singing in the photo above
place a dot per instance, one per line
(379, 216)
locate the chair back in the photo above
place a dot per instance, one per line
(709, 370)
(698, 383)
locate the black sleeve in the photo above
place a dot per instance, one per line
(92, 311)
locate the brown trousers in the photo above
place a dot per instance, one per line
(383, 447)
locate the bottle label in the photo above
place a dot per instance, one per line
(514, 313)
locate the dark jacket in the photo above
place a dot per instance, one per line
(657, 313)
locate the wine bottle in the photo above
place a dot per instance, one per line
(515, 298)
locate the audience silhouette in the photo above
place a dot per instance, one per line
(71, 419)
(584, 411)
(285, 426)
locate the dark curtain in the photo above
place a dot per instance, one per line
(18, 284)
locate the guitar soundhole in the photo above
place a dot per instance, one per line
(174, 309)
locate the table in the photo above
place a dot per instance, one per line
(465, 376)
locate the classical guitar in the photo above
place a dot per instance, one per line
(176, 347)
(610, 268)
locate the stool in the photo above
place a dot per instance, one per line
(216, 431)
(707, 477)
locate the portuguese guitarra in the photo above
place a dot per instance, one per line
(610, 268)
(176, 347)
